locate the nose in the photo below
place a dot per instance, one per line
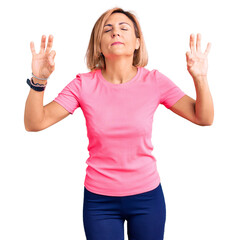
(113, 35)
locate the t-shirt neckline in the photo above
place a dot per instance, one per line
(118, 85)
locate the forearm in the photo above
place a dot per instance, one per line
(34, 110)
(204, 109)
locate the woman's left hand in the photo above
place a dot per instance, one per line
(197, 63)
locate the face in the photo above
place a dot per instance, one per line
(118, 28)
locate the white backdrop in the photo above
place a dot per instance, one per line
(42, 173)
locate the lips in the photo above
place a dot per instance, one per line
(117, 43)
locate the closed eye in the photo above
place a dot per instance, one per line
(122, 29)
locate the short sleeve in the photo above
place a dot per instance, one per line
(69, 97)
(170, 93)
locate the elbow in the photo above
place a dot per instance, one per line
(31, 126)
(206, 123)
(26, 127)
(31, 129)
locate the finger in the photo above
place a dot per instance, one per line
(42, 46)
(189, 58)
(33, 51)
(192, 47)
(198, 43)
(208, 48)
(52, 54)
(49, 44)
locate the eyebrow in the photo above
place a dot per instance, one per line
(119, 24)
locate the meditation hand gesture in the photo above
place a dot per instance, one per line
(197, 63)
(43, 62)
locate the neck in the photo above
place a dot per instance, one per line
(119, 71)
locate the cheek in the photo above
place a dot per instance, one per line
(105, 41)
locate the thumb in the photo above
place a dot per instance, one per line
(52, 54)
(51, 57)
(188, 56)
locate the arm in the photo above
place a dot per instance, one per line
(33, 109)
(201, 111)
(38, 117)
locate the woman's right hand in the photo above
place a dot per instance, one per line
(43, 62)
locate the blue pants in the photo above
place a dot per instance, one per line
(104, 216)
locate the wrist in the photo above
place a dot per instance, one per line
(35, 80)
(200, 78)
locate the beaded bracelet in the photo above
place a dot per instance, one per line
(36, 86)
(38, 78)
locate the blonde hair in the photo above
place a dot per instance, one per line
(94, 58)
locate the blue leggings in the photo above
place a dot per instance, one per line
(104, 216)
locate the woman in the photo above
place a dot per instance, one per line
(118, 98)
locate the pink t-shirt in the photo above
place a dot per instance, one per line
(119, 125)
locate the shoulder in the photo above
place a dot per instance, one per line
(154, 73)
(84, 81)
(86, 76)
(153, 76)
(160, 78)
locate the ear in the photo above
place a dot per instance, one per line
(137, 43)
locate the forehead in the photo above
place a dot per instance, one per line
(116, 18)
